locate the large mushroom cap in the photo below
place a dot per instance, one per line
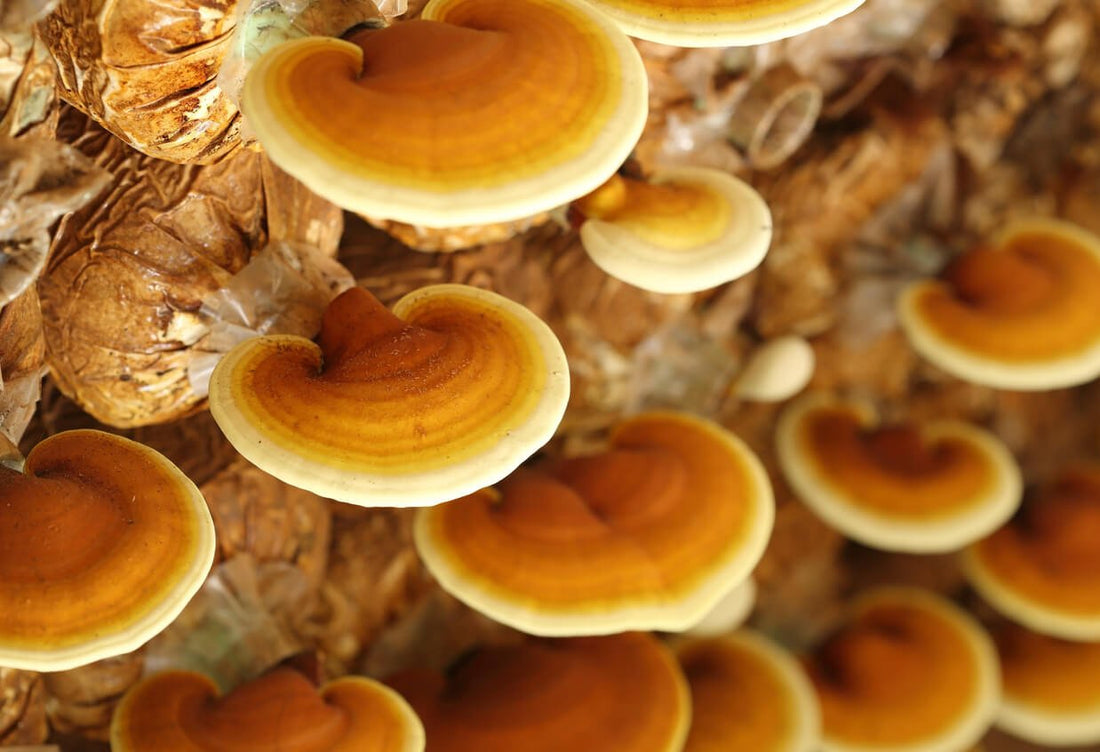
(102, 543)
(180, 711)
(1051, 688)
(683, 230)
(748, 694)
(1042, 569)
(909, 672)
(722, 23)
(930, 488)
(622, 693)
(481, 111)
(1024, 314)
(648, 535)
(446, 395)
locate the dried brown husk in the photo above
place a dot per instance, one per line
(22, 363)
(82, 700)
(22, 708)
(126, 278)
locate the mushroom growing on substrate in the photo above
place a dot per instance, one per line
(624, 693)
(650, 534)
(1042, 569)
(1023, 313)
(747, 693)
(908, 672)
(103, 541)
(443, 396)
(480, 111)
(925, 488)
(181, 711)
(1051, 687)
(681, 230)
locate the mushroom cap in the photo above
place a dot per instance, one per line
(747, 693)
(722, 23)
(776, 370)
(682, 230)
(909, 671)
(1023, 314)
(1042, 569)
(623, 692)
(648, 535)
(922, 489)
(1051, 688)
(180, 711)
(446, 395)
(481, 111)
(103, 541)
(728, 614)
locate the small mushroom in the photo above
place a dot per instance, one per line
(446, 395)
(931, 488)
(180, 711)
(623, 693)
(776, 370)
(747, 693)
(1042, 569)
(1051, 688)
(909, 671)
(103, 541)
(650, 534)
(472, 114)
(682, 230)
(722, 23)
(1022, 314)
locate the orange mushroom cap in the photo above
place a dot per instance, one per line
(623, 693)
(1023, 314)
(909, 671)
(648, 535)
(447, 394)
(682, 230)
(1051, 688)
(103, 541)
(722, 23)
(1042, 569)
(748, 694)
(480, 111)
(930, 488)
(180, 711)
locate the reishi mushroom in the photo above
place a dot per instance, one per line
(728, 614)
(480, 111)
(747, 693)
(722, 23)
(681, 230)
(1042, 569)
(181, 711)
(103, 541)
(650, 534)
(623, 692)
(443, 396)
(1023, 313)
(908, 671)
(1051, 687)
(930, 488)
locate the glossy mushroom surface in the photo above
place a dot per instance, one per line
(682, 230)
(1051, 688)
(747, 693)
(480, 111)
(1042, 569)
(624, 693)
(908, 671)
(103, 541)
(1022, 314)
(722, 23)
(926, 488)
(650, 534)
(443, 396)
(181, 711)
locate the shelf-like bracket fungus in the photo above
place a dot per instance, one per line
(445, 395)
(103, 541)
